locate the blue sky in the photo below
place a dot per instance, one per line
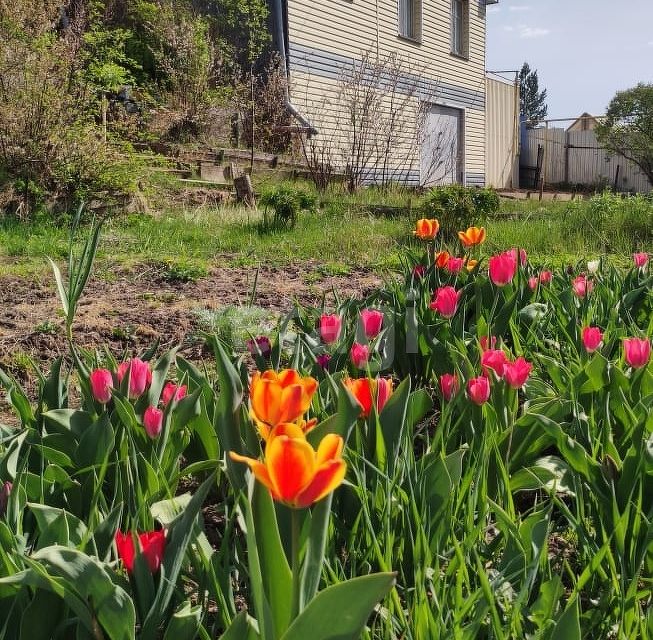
(584, 50)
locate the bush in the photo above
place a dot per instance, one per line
(286, 202)
(458, 207)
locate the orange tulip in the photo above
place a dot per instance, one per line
(294, 472)
(279, 397)
(472, 237)
(470, 265)
(426, 229)
(441, 259)
(370, 392)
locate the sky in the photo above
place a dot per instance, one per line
(584, 50)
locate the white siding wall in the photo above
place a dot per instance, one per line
(501, 134)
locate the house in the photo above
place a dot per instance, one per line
(584, 122)
(394, 89)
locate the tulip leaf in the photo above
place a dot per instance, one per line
(159, 376)
(393, 422)
(66, 421)
(314, 550)
(242, 627)
(341, 611)
(96, 443)
(185, 623)
(57, 526)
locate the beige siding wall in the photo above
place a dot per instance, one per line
(501, 135)
(326, 36)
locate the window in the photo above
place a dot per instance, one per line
(459, 22)
(410, 19)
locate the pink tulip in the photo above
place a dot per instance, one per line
(517, 372)
(419, 270)
(478, 390)
(360, 355)
(533, 282)
(523, 258)
(592, 338)
(483, 341)
(637, 352)
(449, 385)
(502, 268)
(140, 376)
(383, 392)
(101, 384)
(170, 391)
(372, 321)
(323, 360)
(455, 265)
(5, 492)
(640, 259)
(153, 421)
(445, 301)
(546, 277)
(494, 359)
(582, 286)
(330, 327)
(261, 345)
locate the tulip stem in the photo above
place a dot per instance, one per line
(295, 518)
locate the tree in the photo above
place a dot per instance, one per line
(628, 127)
(532, 101)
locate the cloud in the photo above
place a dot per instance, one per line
(532, 32)
(519, 7)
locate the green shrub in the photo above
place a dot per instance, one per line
(286, 202)
(458, 207)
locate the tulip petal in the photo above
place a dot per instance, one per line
(290, 429)
(259, 470)
(327, 478)
(291, 466)
(286, 377)
(265, 399)
(294, 403)
(330, 448)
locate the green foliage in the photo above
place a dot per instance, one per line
(532, 101)
(286, 202)
(628, 127)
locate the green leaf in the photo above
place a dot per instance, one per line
(549, 472)
(68, 420)
(57, 526)
(314, 550)
(393, 422)
(341, 611)
(96, 443)
(184, 623)
(242, 627)
(568, 625)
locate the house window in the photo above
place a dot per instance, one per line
(459, 27)
(410, 19)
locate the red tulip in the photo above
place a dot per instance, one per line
(478, 390)
(455, 265)
(260, 345)
(483, 341)
(533, 282)
(502, 268)
(372, 321)
(152, 545)
(370, 393)
(523, 258)
(582, 286)
(640, 259)
(153, 421)
(140, 376)
(449, 385)
(101, 384)
(330, 327)
(592, 338)
(419, 270)
(517, 372)
(445, 301)
(546, 277)
(170, 391)
(360, 355)
(5, 492)
(323, 360)
(637, 352)
(494, 359)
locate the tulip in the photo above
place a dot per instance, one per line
(483, 341)
(533, 282)
(153, 421)
(517, 372)
(360, 355)
(152, 545)
(523, 258)
(172, 391)
(640, 259)
(582, 286)
(369, 393)
(593, 266)
(478, 390)
(449, 385)
(372, 321)
(330, 327)
(494, 359)
(426, 229)
(470, 264)
(442, 259)
(455, 265)
(279, 397)
(294, 472)
(140, 376)
(445, 301)
(546, 277)
(323, 360)
(259, 346)
(5, 492)
(472, 237)
(101, 382)
(502, 268)
(592, 338)
(637, 352)
(419, 270)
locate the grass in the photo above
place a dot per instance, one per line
(346, 232)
